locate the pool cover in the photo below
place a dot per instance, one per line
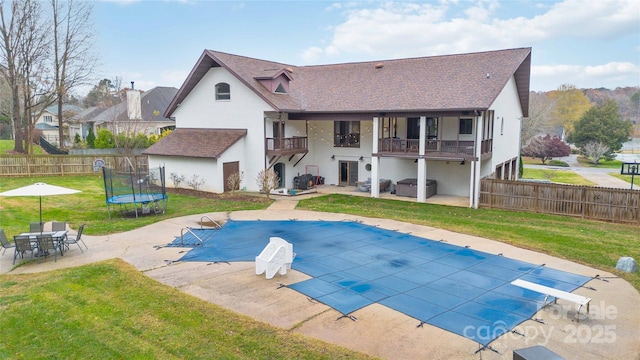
(458, 289)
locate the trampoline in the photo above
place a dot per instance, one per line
(132, 190)
(458, 289)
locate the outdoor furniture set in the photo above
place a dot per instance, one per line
(40, 243)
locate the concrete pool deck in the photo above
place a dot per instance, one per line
(610, 332)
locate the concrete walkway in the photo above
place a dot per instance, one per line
(611, 330)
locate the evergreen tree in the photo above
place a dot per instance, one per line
(601, 124)
(91, 139)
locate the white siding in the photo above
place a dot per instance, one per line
(188, 167)
(506, 140)
(245, 110)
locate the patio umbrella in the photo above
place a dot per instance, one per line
(39, 189)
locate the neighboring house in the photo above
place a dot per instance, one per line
(48, 122)
(150, 117)
(454, 119)
(81, 123)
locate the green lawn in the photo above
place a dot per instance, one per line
(613, 164)
(627, 178)
(8, 145)
(556, 176)
(111, 311)
(89, 206)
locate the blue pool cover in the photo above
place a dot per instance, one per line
(461, 290)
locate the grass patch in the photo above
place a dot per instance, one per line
(613, 164)
(592, 243)
(526, 160)
(556, 176)
(110, 310)
(6, 146)
(627, 178)
(89, 206)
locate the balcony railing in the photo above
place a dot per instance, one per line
(441, 148)
(286, 146)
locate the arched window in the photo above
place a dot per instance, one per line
(223, 91)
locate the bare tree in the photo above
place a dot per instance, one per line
(23, 51)
(74, 59)
(540, 120)
(595, 151)
(37, 92)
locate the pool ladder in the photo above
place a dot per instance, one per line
(217, 226)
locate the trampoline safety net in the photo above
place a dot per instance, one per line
(136, 192)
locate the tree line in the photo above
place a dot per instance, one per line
(595, 121)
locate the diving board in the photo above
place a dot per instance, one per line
(557, 294)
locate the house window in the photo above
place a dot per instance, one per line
(346, 133)
(48, 118)
(413, 128)
(466, 126)
(223, 91)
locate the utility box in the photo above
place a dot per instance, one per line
(537, 352)
(409, 187)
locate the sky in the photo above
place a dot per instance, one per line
(588, 44)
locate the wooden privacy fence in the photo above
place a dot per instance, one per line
(606, 204)
(49, 165)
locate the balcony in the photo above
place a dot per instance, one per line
(286, 146)
(397, 147)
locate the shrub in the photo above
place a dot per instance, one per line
(91, 139)
(235, 180)
(195, 182)
(267, 180)
(105, 140)
(558, 163)
(176, 179)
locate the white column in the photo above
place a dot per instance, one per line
(474, 172)
(375, 161)
(422, 163)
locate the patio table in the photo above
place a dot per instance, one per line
(58, 237)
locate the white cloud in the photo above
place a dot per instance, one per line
(396, 30)
(609, 75)
(407, 29)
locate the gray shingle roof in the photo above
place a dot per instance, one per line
(437, 83)
(153, 103)
(200, 143)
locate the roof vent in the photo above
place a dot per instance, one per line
(488, 75)
(379, 66)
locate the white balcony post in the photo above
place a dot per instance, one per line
(422, 163)
(375, 161)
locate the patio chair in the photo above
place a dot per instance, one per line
(5, 242)
(45, 245)
(35, 227)
(58, 226)
(22, 245)
(76, 239)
